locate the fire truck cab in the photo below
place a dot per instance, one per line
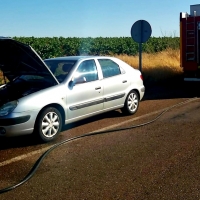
(190, 43)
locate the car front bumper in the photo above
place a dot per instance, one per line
(17, 124)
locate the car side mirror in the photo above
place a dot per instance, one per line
(77, 80)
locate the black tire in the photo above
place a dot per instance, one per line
(131, 103)
(48, 124)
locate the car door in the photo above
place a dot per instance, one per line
(115, 83)
(85, 95)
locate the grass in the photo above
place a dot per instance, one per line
(159, 67)
(1, 78)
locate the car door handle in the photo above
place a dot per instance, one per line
(125, 81)
(98, 88)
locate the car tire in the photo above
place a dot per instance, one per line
(48, 124)
(131, 103)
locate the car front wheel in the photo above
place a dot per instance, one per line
(131, 103)
(48, 124)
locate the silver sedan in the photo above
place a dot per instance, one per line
(40, 97)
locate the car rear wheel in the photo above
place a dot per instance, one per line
(48, 124)
(131, 103)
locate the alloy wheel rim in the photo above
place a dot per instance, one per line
(50, 124)
(132, 102)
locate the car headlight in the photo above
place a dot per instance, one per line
(8, 108)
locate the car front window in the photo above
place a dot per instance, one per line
(87, 70)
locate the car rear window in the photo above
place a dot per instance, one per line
(109, 68)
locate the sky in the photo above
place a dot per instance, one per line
(89, 18)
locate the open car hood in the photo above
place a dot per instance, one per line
(18, 59)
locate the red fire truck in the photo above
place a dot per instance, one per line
(190, 43)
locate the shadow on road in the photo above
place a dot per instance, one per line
(30, 140)
(171, 90)
(17, 142)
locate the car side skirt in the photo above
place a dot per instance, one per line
(92, 103)
(93, 114)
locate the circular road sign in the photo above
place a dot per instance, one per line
(141, 31)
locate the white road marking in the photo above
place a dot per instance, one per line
(21, 157)
(40, 151)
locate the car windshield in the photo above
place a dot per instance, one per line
(60, 68)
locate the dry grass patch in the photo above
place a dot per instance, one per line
(158, 67)
(1, 78)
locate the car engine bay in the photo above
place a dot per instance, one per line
(22, 86)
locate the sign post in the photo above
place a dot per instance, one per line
(140, 57)
(140, 33)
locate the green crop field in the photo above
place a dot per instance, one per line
(59, 46)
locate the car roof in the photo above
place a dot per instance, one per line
(76, 57)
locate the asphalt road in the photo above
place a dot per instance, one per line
(157, 161)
